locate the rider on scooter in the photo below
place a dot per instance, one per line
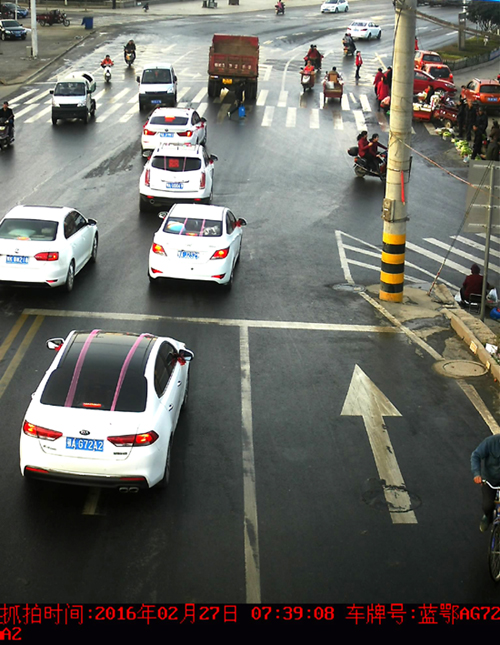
(314, 56)
(130, 49)
(7, 113)
(107, 62)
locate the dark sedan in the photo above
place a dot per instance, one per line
(12, 30)
(8, 10)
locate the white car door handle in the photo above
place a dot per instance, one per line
(179, 383)
(170, 408)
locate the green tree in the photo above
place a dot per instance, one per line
(484, 14)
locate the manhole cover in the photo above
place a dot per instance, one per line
(460, 369)
(348, 287)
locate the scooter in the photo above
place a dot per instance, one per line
(349, 48)
(280, 9)
(6, 133)
(146, 7)
(107, 73)
(307, 80)
(361, 167)
(129, 57)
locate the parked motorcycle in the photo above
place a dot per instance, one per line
(6, 133)
(280, 8)
(361, 168)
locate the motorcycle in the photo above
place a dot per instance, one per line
(349, 48)
(129, 57)
(6, 133)
(314, 61)
(280, 9)
(361, 167)
(107, 73)
(146, 7)
(307, 80)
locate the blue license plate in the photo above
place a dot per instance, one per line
(187, 255)
(155, 101)
(492, 98)
(92, 445)
(17, 259)
(167, 134)
(174, 185)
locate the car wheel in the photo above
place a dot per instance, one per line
(336, 9)
(86, 118)
(369, 37)
(229, 284)
(163, 483)
(379, 34)
(144, 205)
(70, 277)
(23, 37)
(95, 244)
(4, 37)
(54, 120)
(346, 10)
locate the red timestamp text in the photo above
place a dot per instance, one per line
(295, 612)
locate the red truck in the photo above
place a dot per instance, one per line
(233, 60)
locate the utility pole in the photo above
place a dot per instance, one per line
(34, 32)
(394, 211)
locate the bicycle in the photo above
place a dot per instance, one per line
(494, 545)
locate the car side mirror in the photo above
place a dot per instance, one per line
(186, 354)
(241, 222)
(203, 120)
(55, 343)
(91, 222)
(163, 214)
(138, 79)
(51, 92)
(175, 79)
(214, 158)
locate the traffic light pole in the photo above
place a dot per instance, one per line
(394, 212)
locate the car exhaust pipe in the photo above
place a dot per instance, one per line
(128, 489)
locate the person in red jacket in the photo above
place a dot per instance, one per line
(382, 91)
(358, 63)
(378, 77)
(473, 284)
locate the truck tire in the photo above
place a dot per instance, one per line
(54, 120)
(211, 88)
(252, 91)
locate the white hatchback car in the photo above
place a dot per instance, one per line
(196, 242)
(106, 410)
(173, 125)
(45, 246)
(175, 174)
(334, 6)
(364, 29)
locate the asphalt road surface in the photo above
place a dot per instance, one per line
(279, 490)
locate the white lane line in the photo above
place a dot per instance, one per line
(22, 96)
(462, 254)
(119, 96)
(365, 103)
(251, 524)
(291, 117)
(26, 109)
(39, 115)
(129, 114)
(475, 245)
(283, 98)
(343, 258)
(344, 103)
(267, 119)
(202, 108)
(262, 97)
(338, 124)
(39, 97)
(223, 322)
(182, 92)
(109, 112)
(199, 96)
(314, 119)
(360, 119)
(439, 258)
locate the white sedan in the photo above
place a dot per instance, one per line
(334, 6)
(364, 29)
(176, 174)
(196, 242)
(173, 125)
(106, 411)
(45, 246)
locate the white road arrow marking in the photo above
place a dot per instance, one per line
(364, 399)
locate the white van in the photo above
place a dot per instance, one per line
(72, 97)
(157, 86)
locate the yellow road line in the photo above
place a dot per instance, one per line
(19, 355)
(5, 346)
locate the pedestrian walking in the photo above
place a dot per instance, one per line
(388, 78)
(470, 119)
(358, 63)
(238, 92)
(378, 77)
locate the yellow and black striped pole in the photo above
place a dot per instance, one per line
(394, 212)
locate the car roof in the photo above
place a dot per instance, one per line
(49, 213)
(489, 81)
(198, 211)
(426, 51)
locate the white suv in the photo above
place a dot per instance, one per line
(173, 125)
(177, 174)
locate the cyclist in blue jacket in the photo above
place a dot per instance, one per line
(485, 464)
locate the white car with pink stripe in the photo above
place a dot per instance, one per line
(106, 411)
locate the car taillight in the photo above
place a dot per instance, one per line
(147, 177)
(188, 133)
(203, 180)
(129, 440)
(148, 132)
(47, 256)
(40, 433)
(158, 248)
(220, 254)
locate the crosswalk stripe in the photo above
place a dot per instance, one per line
(283, 98)
(360, 119)
(475, 245)
(201, 94)
(118, 96)
(365, 103)
(314, 119)
(39, 115)
(26, 109)
(39, 97)
(460, 252)
(108, 113)
(267, 119)
(438, 258)
(128, 115)
(344, 103)
(261, 100)
(338, 124)
(291, 117)
(202, 107)
(22, 96)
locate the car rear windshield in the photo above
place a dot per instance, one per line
(156, 76)
(176, 164)
(439, 72)
(168, 120)
(431, 58)
(28, 229)
(100, 378)
(490, 89)
(70, 89)
(10, 23)
(358, 24)
(193, 227)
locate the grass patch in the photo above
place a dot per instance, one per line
(473, 47)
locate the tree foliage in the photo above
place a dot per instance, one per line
(484, 14)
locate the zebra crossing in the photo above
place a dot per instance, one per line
(424, 260)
